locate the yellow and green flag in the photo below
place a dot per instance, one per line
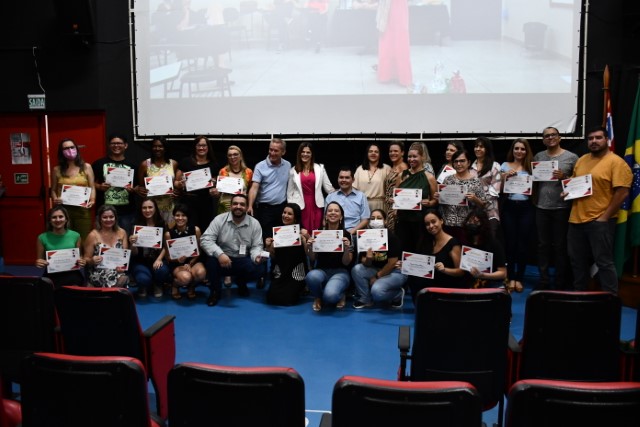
(628, 227)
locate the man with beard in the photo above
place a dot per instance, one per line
(593, 218)
(233, 242)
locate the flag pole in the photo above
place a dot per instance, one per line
(605, 89)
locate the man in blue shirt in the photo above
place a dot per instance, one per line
(268, 192)
(353, 202)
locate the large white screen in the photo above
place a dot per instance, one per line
(319, 67)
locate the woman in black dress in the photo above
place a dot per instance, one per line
(289, 263)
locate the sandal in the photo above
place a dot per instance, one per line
(317, 304)
(343, 301)
(227, 282)
(510, 285)
(175, 293)
(191, 292)
(518, 287)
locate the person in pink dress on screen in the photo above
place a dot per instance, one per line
(394, 52)
(307, 180)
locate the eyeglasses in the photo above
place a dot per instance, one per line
(116, 143)
(460, 161)
(549, 136)
(233, 155)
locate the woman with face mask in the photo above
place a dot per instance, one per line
(479, 236)
(72, 170)
(376, 277)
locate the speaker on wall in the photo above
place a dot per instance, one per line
(76, 17)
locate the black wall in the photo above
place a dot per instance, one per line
(93, 73)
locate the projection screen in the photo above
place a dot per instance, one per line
(354, 66)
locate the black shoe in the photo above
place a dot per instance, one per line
(359, 305)
(259, 284)
(213, 299)
(243, 290)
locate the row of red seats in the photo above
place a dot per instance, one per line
(69, 391)
(460, 335)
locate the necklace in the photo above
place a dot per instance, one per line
(371, 175)
(234, 171)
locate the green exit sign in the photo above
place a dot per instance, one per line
(36, 102)
(20, 178)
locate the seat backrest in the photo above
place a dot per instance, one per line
(201, 394)
(27, 321)
(462, 335)
(99, 322)
(561, 403)
(71, 391)
(359, 401)
(571, 336)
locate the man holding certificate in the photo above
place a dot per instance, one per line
(233, 242)
(593, 218)
(552, 212)
(118, 195)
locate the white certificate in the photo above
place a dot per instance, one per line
(578, 186)
(148, 237)
(229, 185)
(286, 235)
(183, 246)
(543, 171)
(472, 257)
(62, 260)
(452, 194)
(198, 179)
(376, 239)
(446, 171)
(518, 184)
(114, 257)
(409, 199)
(119, 177)
(75, 195)
(418, 265)
(328, 241)
(158, 185)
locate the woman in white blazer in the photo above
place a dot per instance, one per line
(307, 179)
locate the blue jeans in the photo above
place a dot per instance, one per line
(384, 289)
(243, 268)
(593, 240)
(328, 284)
(552, 225)
(145, 276)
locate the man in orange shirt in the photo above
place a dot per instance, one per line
(593, 218)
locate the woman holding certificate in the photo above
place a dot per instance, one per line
(235, 168)
(415, 178)
(517, 211)
(376, 277)
(202, 201)
(159, 164)
(331, 251)
(398, 165)
(307, 180)
(147, 250)
(289, 262)
(484, 257)
(488, 171)
(72, 184)
(445, 250)
(64, 264)
(107, 234)
(183, 251)
(370, 177)
(459, 194)
(447, 168)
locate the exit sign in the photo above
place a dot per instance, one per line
(36, 102)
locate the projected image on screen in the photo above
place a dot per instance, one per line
(343, 66)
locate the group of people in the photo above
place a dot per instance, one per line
(234, 233)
